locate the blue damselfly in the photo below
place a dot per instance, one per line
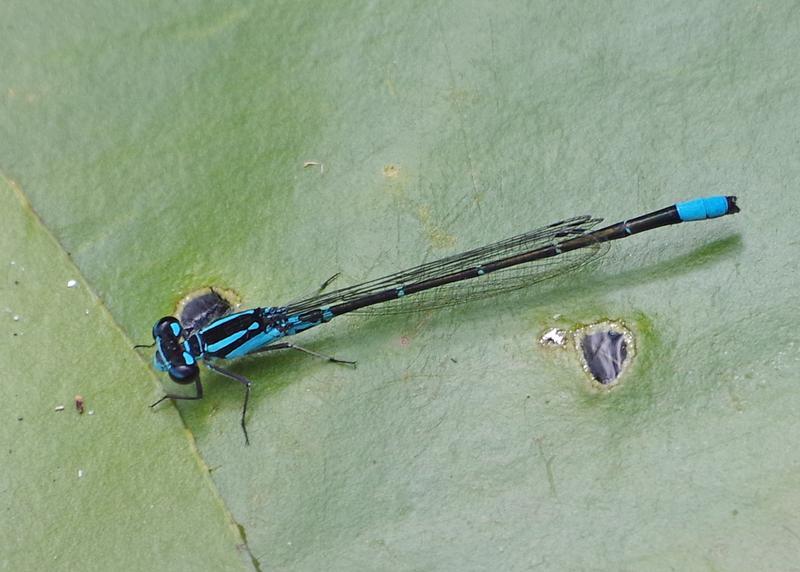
(506, 265)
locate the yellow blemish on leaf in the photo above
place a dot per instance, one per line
(436, 235)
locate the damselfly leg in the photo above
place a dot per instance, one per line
(291, 346)
(198, 394)
(246, 383)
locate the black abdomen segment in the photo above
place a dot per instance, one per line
(697, 209)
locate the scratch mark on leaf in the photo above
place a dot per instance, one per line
(548, 466)
(459, 108)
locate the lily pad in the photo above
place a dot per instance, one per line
(263, 148)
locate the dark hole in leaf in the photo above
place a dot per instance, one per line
(203, 310)
(605, 353)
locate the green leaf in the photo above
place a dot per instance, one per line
(165, 149)
(115, 487)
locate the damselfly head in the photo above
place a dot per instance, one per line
(170, 354)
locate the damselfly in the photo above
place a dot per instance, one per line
(509, 264)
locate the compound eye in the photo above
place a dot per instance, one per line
(167, 326)
(184, 373)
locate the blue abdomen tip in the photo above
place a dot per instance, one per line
(708, 207)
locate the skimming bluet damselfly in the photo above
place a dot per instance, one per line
(509, 264)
